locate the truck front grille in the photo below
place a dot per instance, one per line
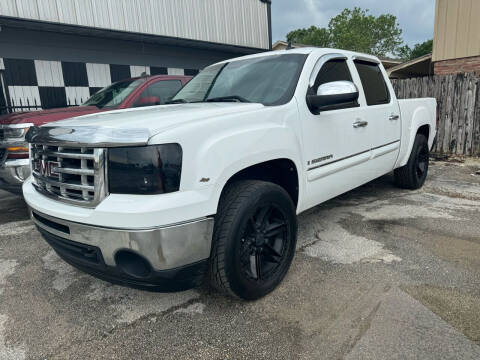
(70, 174)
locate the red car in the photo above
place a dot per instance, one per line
(129, 93)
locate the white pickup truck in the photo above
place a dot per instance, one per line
(209, 187)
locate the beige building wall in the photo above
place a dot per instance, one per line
(457, 29)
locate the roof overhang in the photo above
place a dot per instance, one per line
(421, 66)
(389, 63)
(282, 45)
(38, 25)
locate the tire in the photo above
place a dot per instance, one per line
(412, 176)
(254, 239)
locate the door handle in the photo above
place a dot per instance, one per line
(358, 124)
(394, 117)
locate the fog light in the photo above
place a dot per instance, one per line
(132, 264)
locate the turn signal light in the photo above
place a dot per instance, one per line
(17, 152)
(18, 149)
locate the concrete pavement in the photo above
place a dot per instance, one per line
(380, 273)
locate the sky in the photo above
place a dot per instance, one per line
(415, 17)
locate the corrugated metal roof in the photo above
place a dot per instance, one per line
(234, 22)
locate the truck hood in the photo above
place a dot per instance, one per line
(157, 119)
(45, 116)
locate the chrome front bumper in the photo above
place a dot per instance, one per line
(13, 173)
(164, 248)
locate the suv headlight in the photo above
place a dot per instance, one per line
(146, 170)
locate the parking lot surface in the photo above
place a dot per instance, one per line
(379, 273)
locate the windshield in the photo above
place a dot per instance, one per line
(269, 80)
(113, 95)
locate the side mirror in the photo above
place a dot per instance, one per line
(148, 101)
(333, 96)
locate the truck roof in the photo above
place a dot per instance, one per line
(307, 50)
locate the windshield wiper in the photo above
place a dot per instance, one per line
(177, 101)
(231, 98)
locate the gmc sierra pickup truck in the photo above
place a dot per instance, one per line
(128, 93)
(162, 197)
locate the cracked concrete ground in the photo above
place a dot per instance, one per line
(380, 273)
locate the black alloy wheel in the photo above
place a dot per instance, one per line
(264, 243)
(254, 239)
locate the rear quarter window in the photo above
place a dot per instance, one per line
(373, 82)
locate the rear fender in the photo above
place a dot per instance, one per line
(421, 116)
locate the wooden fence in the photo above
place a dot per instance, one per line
(458, 98)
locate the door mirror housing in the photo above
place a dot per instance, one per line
(333, 96)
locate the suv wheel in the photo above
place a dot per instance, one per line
(254, 239)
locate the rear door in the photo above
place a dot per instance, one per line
(379, 108)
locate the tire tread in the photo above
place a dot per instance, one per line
(230, 203)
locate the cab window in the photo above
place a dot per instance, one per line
(373, 82)
(333, 70)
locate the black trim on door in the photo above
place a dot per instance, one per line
(350, 156)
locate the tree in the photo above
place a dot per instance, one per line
(406, 53)
(422, 49)
(312, 36)
(354, 30)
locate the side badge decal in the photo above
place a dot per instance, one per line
(318, 160)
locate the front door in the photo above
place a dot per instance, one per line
(336, 142)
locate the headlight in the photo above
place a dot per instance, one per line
(145, 170)
(15, 133)
(15, 137)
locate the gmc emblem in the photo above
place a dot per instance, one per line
(46, 168)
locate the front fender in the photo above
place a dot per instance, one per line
(227, 154)
(217, 148)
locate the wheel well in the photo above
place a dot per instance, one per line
(282, 172)
(424, 130)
